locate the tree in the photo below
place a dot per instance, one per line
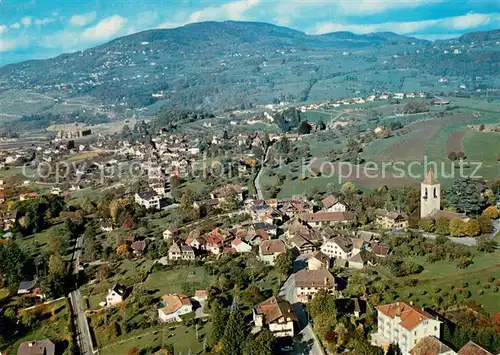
(235, 333)
(485, 224)
(472, 228)
(123, 250)
(284, 264)
(70, 145)
(304, 128)
(491, 212)
(321, 126)
(457, 227)
(442, 226)
(486, 245)
(263, 344)
(426, 224)
(219, 320)
(13, 262)
(56, 265)
(348, 188)
(464, 195)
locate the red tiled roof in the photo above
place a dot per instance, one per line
(472, 348)
(410, 316)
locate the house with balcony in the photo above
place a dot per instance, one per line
(277, 315)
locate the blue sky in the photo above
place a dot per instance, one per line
(37, 29)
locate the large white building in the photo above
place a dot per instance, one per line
(404, 324)
(174, 306)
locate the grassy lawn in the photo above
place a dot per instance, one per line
(483, 147)
(183, 338)
(184, 279)
(82, 156)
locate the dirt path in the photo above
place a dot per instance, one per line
(454, 143)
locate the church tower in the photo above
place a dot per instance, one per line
(430, 195)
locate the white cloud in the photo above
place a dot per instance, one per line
(469, 21)
(105, 29)
(364, 7)
(3, 28)
(15, 26)
(235, 10)
(83, 19)
(44, 21)
(26, 21)
(7, 45)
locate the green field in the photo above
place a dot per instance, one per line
(183, 338)
(180, 280)
(443, 279)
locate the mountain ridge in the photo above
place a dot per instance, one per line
(226, 64)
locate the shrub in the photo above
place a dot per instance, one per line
(480, 292)
(487, 286)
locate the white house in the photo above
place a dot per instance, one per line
(332, 204)
(148, 199)
(270, 249)
(277, 315)
(310, 282)
(116, 295)
(404, 324)
(338, 248)
(318, 260)
(174, 306)
(240, 246)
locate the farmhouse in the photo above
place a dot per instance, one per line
(270, 249)
(310, 282)
(391, 220)
(116, 295)
(173, 307)
(320, 219)
(148, 199)
(333, 204)
(277, 315)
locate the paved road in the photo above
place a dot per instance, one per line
(256, 182)
(82, 327)
(306, 341)
(83, 336)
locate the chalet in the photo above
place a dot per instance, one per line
(240, 246)
(29, 288)
(170, 233)
(320, 219)
(362, 259)
(310, 282)
(173, 306)
(148, 199)
(138, 247)
(302, 244)
(277, 315)
(318, 260)
(116, 295)
(270, 249)
(333, 204)
(391, 220)
(225, 191)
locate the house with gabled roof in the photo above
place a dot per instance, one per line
(270, 249)
(472, 348)
(332, 204)
(431, 346)
(277, 315)
(404, 324)
(391, 219)
(173, 306)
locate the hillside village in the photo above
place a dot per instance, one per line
(161, 236)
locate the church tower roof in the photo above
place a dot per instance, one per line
(430, 179)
